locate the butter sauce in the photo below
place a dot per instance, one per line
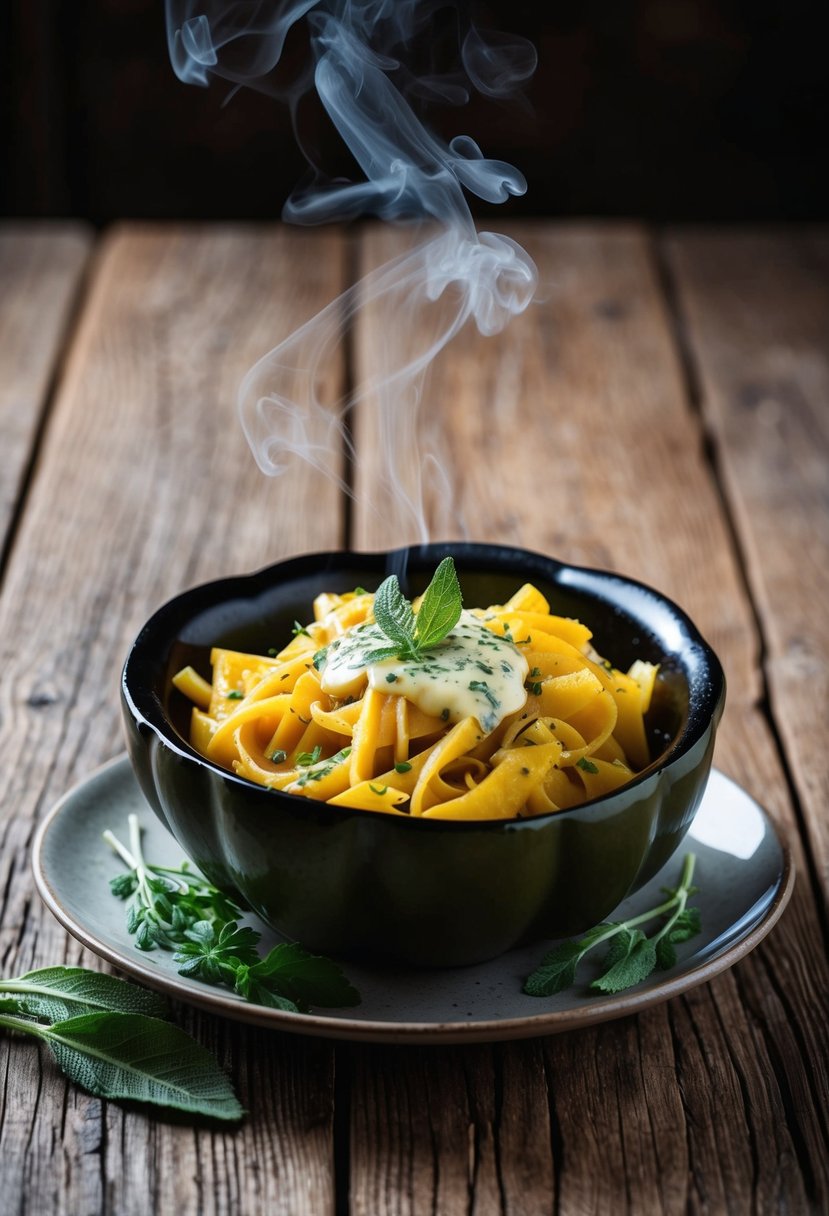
(473, 672)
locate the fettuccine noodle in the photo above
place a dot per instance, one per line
(579, 732)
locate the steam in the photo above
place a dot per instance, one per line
(426, 295)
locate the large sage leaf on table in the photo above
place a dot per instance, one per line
(124, 1055)
(57, 993)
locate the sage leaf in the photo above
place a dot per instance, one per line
(637, 966)
(62, 992)
(622, 944)
(131, 1056)
(440, 608)
(394, 614)
(631, 956)
(557, 970)
(665, 954)
(686, 925)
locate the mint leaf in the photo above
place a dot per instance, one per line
(394, 614)
(440, 608)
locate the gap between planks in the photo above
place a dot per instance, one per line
(688, 358)
(57, 295)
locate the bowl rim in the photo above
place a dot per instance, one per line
(146, 708)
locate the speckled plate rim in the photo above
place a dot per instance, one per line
(323, 1026)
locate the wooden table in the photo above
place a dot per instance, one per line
(663, 411)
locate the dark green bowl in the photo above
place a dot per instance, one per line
(423, 891)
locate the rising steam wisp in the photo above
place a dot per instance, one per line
(426, 295)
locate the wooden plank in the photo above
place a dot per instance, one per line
(571, 433)
(756, 312)
(41, 266)
(144, 485)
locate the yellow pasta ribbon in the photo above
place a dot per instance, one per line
(580, 733)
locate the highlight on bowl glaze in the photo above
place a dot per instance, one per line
(419, 891)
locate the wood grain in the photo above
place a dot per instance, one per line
(572, 433)
(755, 307)
(145, 485)
(41, 267)
(575, 433)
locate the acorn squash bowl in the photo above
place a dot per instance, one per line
(411, 890)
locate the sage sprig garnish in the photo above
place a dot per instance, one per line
(110, 1037)
(412, 633)
(631, 955)
(177, 909)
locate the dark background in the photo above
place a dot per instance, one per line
(664, 109)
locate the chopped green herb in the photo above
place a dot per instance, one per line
(482, 686)
(402, 766)
(297, 629)
(235, 696)
(391, 678)
(379, 790)
(305, 759)
(587, 765)
(444, 713)
(319, 657)
(360, 591)
(536, 671)
(278, 756)
(273, 652)
(322, 768)
(535, 689)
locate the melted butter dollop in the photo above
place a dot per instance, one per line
(472, 673)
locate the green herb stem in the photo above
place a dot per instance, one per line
(24, 1025)
(176, 910)
(632, 956)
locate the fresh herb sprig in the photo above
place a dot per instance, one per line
(112, 1038)
(410, 633)
(631, 956)
(179, 910)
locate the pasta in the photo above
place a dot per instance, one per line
(512, 715)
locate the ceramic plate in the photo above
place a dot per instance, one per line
(744, 872)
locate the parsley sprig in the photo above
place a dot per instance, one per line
(179, 910)
(631, 956)
(410, 633)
